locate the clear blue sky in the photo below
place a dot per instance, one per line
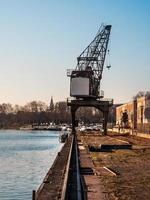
(40, 39)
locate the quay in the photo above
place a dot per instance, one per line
(96, 167)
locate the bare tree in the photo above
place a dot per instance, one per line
(142, 94)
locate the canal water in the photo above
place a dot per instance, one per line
(25, 157)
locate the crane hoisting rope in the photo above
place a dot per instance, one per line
(108, 56)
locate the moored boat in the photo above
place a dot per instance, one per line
(63, 136)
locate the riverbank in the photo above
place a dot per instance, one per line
(32, 127)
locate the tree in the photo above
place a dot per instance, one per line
(142, 94)
(6, 108)
(124, 119)
(16, 108)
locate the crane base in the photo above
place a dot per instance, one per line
(101, 105)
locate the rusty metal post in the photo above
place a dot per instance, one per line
(33, 195)
(73, 116)
(105, 114)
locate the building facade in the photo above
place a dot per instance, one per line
(138, 112)
(143, 113)
(129, 109)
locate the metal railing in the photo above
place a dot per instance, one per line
(69, 72)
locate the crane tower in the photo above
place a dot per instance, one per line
(85, 79)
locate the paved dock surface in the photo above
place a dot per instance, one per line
(91, 182)
(124, 174)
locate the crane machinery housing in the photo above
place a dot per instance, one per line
(85, 79)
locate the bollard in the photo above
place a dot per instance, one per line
(33, 194)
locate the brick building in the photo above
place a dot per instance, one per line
(129, 109)
(143, 113)
(138, 112)
(112, 113)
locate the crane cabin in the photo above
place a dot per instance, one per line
(82, 84)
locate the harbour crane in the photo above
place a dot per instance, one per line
(85, 79)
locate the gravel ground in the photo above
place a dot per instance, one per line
(124, 174)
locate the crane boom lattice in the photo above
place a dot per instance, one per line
(85, 79)
(94, 55)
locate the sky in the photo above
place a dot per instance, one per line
(41, 39)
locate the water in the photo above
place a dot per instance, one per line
(25, 157)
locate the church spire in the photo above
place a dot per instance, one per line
(51, 106)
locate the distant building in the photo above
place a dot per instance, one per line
(138, 112)
(112, 113)
(129, 109)
(143, 112)
(51, 105)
